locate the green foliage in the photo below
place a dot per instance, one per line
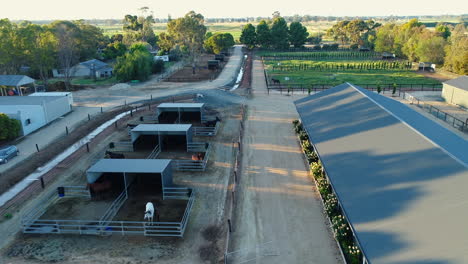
(219, 42)
(431, 49)
(188, 32)
(9, 128)
(443, 30)
(249, 36)
(297, 34)
(263, 34)
(8, 216)
(132, 23)
(134, 65)
(379, 88)
(158, 66)
(114, 50)
(456, 59)
(279, 33)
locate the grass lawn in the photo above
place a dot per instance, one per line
(90, 81)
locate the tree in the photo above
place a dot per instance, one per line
(297, 34)
(456, 59)
(9, 127)
(9, 52)
(43, 54)
(135, 64)
(189, 33)
(249, 36)
(443, 30)
(431, 48)
(165, 42)
(338, 32)
(219, 42)
(279, 33)
(66, 33)
(114, 50)
(263, 34)
(131, 23)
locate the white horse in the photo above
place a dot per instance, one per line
(149, 212)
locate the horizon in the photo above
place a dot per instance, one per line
(89, 10)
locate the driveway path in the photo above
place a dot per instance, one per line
(279, 201)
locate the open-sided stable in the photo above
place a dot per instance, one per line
(170, 113)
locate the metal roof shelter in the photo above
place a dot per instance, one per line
(162, 130)
(125, 166)
(180, 109)
(460, 82)
(15, 81)
(401, 186)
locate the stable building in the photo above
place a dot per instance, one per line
(456, 91)
(170, 113)
(164, 136)
(34, 112)
(400, 178)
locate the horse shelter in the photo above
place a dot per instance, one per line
(180, 113)
(88, 210)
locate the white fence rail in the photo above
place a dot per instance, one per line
(31, 223)
(121, 146)
(193, 165)
(206, 131)
(155, 153)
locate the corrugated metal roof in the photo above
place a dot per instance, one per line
(27, 100)
(15, 80)
(162, 128)
(404, 196)
(460, 82)
(130, 166)
(181, 105)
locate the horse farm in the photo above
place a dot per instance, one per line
(324, 69)
(140, 181)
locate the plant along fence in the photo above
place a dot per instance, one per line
(336, 66)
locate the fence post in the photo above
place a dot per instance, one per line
(37, 147)
(101, 109)
(42, 183)
(89, 117)
(229, 225)
(66, 129)
(87, 147)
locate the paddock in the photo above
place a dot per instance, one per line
(180, 113)
(80, 210)
(166, 137)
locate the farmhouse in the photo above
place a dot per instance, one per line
(14, 84)
(34, 112)
(456, 91)
(169, 113)
(399, 177)
(89, 68)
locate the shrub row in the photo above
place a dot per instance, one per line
(341, 228)
(333, 55)
(334, 66)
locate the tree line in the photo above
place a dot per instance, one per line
(274, 33)
(63, 44)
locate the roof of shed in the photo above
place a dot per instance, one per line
(15, 80)
(162, 128)
(97, 64)
(130, 166)
(460, 82)
(402, 187)
(181, 105)
(27, 100)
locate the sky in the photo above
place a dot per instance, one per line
(101, 9)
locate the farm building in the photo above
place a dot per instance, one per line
(69, 95)
(15, 84)
(427, 66)
(117, 173)
(89, 68)
(170, 113)
(456, 91)
(163, 136)
(34, 112)
(399, 177)
(388, 55)
(114, 202)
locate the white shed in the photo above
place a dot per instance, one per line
(34, 112)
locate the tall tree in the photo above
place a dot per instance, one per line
(189, 33)
(339, 32)
(8, 49)
(263, 34)
(442, 30)
(135, 64)
(219, 42)
(431, 48)
(279, 33)
(248, 36)
(456, 59)
(67, 48)
(297, 34)
(44, 53)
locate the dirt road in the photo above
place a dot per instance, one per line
(279, 201)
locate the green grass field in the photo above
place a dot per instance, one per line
(339, 75)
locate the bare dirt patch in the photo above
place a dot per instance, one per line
(202, 73)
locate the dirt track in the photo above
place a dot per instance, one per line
(279, 201)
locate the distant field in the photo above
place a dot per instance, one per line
(332, 72)
(234, 28)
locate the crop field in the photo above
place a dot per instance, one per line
(330, 71)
